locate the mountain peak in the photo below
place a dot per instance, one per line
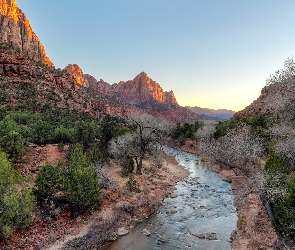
(142, 75)
(76, 72)
(15, 29)
(143, 89)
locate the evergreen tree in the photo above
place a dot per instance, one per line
(16, 201)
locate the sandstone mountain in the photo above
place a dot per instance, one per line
(76, 72)
(219, 113)
(144, 93)
(141, 89)
(19, 45)
(100, 86)
(15, 29)
(50, 88)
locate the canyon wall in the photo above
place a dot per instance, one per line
(15, 29)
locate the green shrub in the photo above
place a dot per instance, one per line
(48, 182)
(76, 180)
(60, 147)
(85, 133)
(257, 120)
(95, 155)
(127, 166)
(80, 182)
(81, 188)
(16, 201)
(132, 184)
(11, 140)
(284, 212)
(63, 135)
(186, 130)
(110, 127)
(275, 164)
(42, 132)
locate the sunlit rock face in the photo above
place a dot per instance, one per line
(76, 72)
(15, 29)
(142, 88)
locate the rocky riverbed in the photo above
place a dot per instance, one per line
(199, 214)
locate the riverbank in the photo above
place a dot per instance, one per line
(121, 209)
(254, 228)
(200, 216)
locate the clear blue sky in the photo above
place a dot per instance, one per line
(211, 53)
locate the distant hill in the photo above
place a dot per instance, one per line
(223, 114)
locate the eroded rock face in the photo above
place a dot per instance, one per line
(100, 86)
(142, 88)
(90, 81)
(15, 29)
(76, 72)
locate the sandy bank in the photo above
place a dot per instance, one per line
(124, 209)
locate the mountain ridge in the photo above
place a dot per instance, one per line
(224, 114)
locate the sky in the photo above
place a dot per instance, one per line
(211, 53)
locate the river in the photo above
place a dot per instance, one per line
(203, 207)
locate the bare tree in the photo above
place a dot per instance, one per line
(239, 147)
(146, 134)
(284, 134)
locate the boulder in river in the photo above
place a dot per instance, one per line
(173, 195)
(146, 232)
(122, 231)
(211, 236)
(200, 236)
(171, 211)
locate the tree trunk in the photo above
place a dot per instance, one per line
(139, 166)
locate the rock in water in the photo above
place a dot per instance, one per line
(171, 211)
(146, 232)
(173, 195)
(122, 231)
(211, 236)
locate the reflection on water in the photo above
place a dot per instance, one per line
(204, 205)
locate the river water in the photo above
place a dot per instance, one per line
(204, 205)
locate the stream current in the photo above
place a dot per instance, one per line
(203, 207)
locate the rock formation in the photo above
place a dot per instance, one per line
(101, 86)
(90, 81)
(76, 72)
(141, 89)
(15, 29)
(53, 86)
(144, 93)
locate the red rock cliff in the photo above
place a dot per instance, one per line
(142, 88)
(101, 86)
(15, 29)
(76, 72)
